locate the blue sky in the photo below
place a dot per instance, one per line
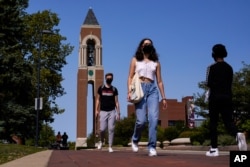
(183, 32)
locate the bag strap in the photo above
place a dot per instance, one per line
(111, 85)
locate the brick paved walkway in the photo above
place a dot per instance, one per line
(126, 158)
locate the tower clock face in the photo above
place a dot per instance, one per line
(91, 72)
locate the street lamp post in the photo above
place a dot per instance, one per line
(38, 101)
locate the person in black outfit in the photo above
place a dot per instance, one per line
(64, 139)
(219, 81)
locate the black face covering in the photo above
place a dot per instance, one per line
(147, 49)
(109, 81)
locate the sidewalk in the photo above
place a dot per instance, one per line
(122, 157)
(39, 159)
(127, 158)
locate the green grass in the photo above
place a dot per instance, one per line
(9, 152)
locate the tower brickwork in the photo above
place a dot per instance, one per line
(90, 72)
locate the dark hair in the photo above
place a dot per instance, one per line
(139, 55)
(109, 74)
(219, 51)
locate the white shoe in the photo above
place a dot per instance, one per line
(111, 150)
(134, 146)
(213, 152)
(152, 152)
(241, 139)
(99, 146)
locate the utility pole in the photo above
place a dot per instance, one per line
(38, 99)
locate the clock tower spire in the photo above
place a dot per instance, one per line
(90, 72)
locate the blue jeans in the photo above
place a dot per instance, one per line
(147, 110)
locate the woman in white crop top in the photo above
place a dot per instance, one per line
(145, 62)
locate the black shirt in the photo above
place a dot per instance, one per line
(107, 97)
(219, 80)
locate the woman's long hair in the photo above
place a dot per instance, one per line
(139, 54)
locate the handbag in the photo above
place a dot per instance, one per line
(136, 89)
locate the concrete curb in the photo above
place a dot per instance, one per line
(39, 159)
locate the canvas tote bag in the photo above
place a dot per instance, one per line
(136, 89)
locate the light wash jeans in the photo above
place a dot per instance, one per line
(147, 110)
(107, 119)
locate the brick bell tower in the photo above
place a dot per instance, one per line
(90, 71)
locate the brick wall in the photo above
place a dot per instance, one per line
(176, 111)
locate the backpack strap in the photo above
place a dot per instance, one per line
(112, 87)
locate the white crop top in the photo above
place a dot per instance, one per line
(146, 69)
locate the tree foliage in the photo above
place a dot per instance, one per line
(15, 73)
(241, 97)
(27, 49)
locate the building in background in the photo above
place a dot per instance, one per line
(199, 119)
(176, 112)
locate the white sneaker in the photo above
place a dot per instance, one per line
(99, 146)
(241, 139)
(111, 150)
(213, 152)
(134, 146)
(152, 152)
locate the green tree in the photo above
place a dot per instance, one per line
(23, 45)
(47, 135)
(15, 73)
(241, 97)
(51, 51)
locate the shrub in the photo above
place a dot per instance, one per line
(224, 140)
(171, 133)
(160, 134)
(187, 133)
(91, 140)
(206, 143)
(71, 145)
(197, 136)
(124, 130)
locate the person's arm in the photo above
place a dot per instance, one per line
(97, 105)
(161, 85)
(130, 75)
(117, 106)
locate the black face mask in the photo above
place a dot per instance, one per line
(148, 49)
(109, 81)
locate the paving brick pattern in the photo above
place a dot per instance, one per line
(126, 158)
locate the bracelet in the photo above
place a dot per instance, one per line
(163, 99)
